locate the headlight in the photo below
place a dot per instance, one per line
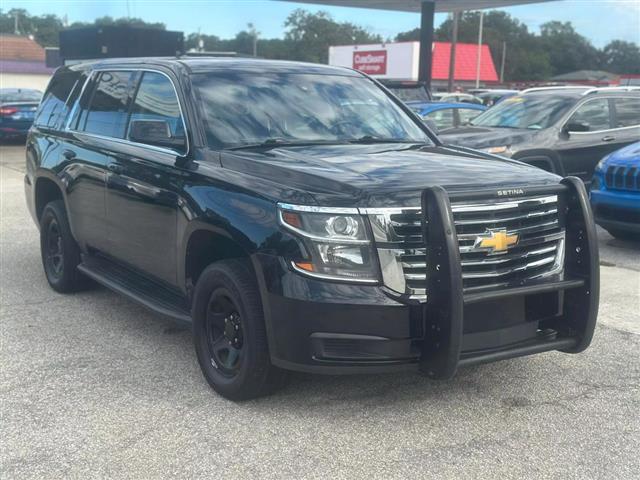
(336, 240)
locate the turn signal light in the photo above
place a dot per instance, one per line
(308, 266)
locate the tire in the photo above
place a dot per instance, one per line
(625, 235)
(59, 251)
(229, 332)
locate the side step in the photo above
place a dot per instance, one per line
(155, 297)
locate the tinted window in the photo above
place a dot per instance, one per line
(54, 108)
(411, 94)
(156, 101)
(627, 112)
(594, 113)
(467, 114)
(442, 118)
(532, 111)
(107, 113)
(247, 108)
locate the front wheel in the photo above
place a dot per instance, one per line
(229, 332)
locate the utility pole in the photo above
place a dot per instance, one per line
(504, 55)
(452, 57)
(479, 59)
(254, 34)
(15, 23)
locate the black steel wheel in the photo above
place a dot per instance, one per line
(224, 333)
(229, 332)
(59, 251)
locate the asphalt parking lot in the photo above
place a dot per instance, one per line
(95, 386)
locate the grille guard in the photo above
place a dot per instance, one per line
(441, 350)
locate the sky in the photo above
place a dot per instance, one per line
(599, 20)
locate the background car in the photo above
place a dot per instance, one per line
(408, 91)
(455, 97)
(491, 97)
(17, 110)
(446, 115)
(565, 130)
(615, 193)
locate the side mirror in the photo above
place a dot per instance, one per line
(576, 127)
(155, 132)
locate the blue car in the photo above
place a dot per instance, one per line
(615, 193)
(17, 110)
(446, 115)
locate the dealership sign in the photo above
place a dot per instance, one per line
(373, 62)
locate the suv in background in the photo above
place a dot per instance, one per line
(565, 130)
(300, 217)
(615, 193)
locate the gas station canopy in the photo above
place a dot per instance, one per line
(416, 5)
(427, 9)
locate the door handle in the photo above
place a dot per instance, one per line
(115, 168)
(69, 154)
(608, 138)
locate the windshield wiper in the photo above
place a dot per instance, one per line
(367, 139)
(283, 142)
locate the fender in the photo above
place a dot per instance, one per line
(541, 157)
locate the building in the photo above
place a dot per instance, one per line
(22, 63)
(597, 78)
(400, 61)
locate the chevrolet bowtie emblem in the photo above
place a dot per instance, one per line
(496, 241)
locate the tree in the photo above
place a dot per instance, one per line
(620, 57)
(568, 50)
(311, 35)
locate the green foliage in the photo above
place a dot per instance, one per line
(620, 57)
(311, 35)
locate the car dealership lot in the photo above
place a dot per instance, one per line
(93, 385)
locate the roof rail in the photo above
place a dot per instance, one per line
(558, 87)
(612, 89)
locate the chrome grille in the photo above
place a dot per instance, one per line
(539, 251)
(622, 178)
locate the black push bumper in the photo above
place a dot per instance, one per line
(571, 331)
(324, 327)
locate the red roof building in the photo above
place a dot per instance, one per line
(466, 62)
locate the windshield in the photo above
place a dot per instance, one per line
(533, 112)
(247, 108)
(411, 94)
(20, 96)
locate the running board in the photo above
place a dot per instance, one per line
(151, 295)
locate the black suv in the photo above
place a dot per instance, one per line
(565, 130)
(300, 217)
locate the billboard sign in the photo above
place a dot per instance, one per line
(372, 62)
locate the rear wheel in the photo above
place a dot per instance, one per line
(59, 251)
(229, 332)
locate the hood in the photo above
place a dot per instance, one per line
(380, 175)
(485, 137)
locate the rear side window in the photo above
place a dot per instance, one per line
(156, 101)
(467, 114)
(107, 111)
(627, 112)
(54, 107)
(442, 118)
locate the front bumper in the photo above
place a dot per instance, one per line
(323, 327)
(618, 210)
